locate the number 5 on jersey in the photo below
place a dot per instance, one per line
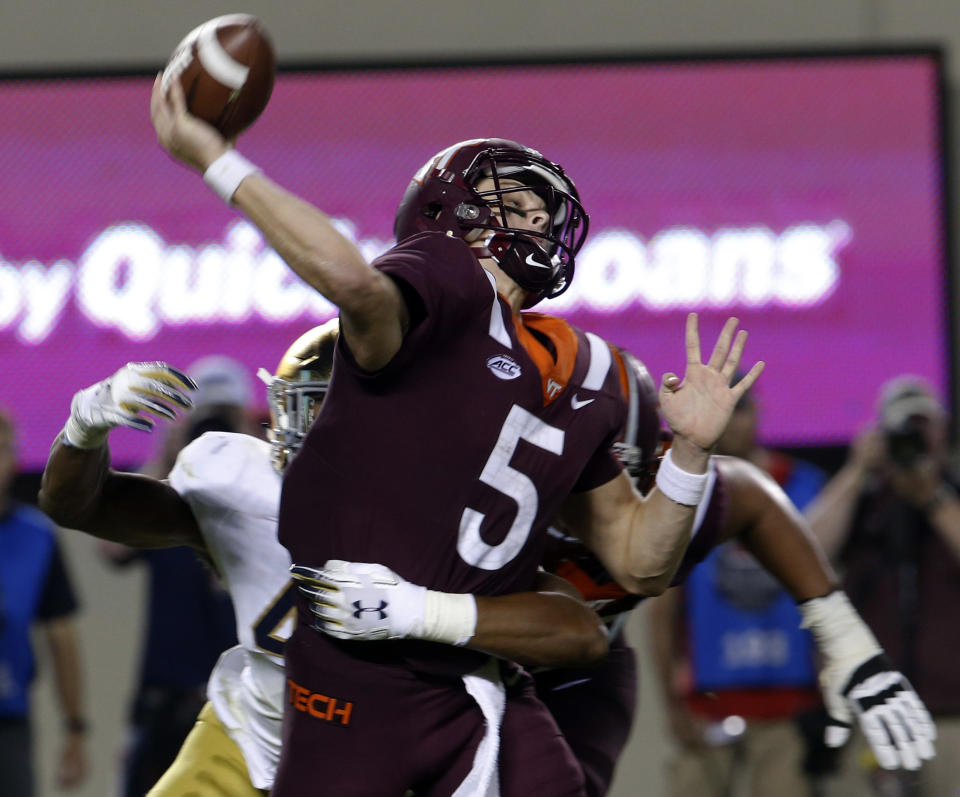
(498, 474)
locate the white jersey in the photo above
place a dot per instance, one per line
(234, 491)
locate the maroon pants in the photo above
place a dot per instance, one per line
(594, 709)
(535, 758)
(356, 727)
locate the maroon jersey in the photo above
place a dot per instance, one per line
(447, 465)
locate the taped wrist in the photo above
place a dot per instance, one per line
(449, 617)
(78, 434)
(75, 436)
(842, 636)
(680, 485)
(226, 173)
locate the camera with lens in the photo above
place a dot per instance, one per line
(907, 410)
(907, 441)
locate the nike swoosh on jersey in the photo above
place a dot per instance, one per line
(578, 403)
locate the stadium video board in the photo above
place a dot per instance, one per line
(804, 194)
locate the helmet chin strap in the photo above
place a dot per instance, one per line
(524, 260)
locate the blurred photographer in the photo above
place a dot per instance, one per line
(890, 518)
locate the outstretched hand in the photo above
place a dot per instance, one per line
(183, 135)
(699, 406)
(891, 715)
(152, 387)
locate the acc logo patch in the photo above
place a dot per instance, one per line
(503, 366)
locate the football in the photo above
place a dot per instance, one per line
(226, 67)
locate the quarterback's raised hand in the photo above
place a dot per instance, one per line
(859, 683)
(186, 137)
(698, 407)
(154, 387)
(366, 601)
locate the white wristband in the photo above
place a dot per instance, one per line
(449, 617)
(842, 636)
(226, 173)
(76, 435)
(80, 434)
(680, 485)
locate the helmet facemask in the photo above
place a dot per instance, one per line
(297, 389)
(293, 406)
(540, 262)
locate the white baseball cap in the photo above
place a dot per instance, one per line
(220, 380)
(905, 397)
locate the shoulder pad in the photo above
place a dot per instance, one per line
(234, 470)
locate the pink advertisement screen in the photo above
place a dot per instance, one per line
(801, 194)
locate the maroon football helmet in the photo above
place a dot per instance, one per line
(442, 197)
(639, 448)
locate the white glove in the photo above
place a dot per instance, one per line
(116, 401)
(364, 601)
(858, 680)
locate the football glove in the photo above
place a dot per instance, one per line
(118, 400)
(859, 681)
(364, 601)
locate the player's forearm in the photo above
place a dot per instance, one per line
(79, 491)
(548, 626)
(75, 493)
(305, 238)
(641, 541)
(768, 525)
(661, 527)
(785, 547)
(656, 543)
(539, 629)
(373, 314)
(72, 483)
(308, 241)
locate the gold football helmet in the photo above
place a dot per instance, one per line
(296, 390)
